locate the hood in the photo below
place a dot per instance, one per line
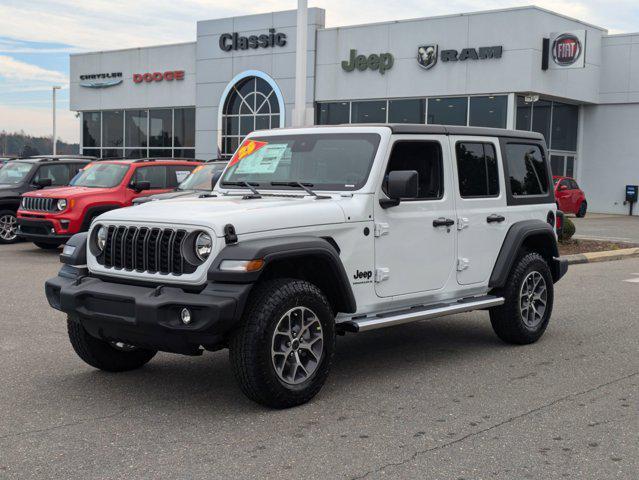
(248, 216)
(167, 196)
(11, 189)
(67, 192)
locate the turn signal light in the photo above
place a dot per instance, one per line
(242, 265)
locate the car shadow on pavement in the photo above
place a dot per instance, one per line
(360, 360)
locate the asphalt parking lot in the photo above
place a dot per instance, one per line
(440, 399)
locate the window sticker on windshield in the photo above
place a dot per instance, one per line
(248, 148)
(259, 157)
(181, 175)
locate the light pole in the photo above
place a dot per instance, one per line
(299, 112)
(54, 134)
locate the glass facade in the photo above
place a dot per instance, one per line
(162, 132)
(480, 111)
(252, 104)
(559, 124)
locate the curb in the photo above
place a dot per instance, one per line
(606, 256)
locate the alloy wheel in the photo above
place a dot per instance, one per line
(8, 227)
(533, 297)
(297, 345)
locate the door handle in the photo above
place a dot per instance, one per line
(443, 222)
(494, 218)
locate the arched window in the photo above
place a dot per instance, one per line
(252, 103)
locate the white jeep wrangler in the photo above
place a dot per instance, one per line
(315, 232)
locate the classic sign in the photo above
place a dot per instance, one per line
(377, 62)
(234, 41)
(101, 80)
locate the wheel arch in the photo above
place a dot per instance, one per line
(527, 235)
(309, 258)
(92, 212)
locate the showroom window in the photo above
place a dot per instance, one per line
(165, 132)
(484, 111)
(488, 111)
(251, 104)
(559, 124)
(333, 113)
(448, 111)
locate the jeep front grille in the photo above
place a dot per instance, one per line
(145, 249)
(39, 204)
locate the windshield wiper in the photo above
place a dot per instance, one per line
(249, 185)
(304, 186)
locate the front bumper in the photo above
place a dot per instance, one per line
(149, 316)
(40, 231)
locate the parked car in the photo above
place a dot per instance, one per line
(570, 198)
(48, 218)
(5, 160)
(29, 174)
(201, 180)
(315, 232)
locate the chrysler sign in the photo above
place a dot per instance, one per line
(100, 80)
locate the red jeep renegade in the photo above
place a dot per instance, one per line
(49, 217)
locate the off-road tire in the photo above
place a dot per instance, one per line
(101, 354)
(47, 246)
(581, 213)
(507, 319)
(250, 346)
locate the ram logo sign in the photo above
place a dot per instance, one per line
(427, 56)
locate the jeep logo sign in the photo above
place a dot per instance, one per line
(376, 62)
(567, 49)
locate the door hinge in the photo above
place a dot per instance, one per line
(462, 222)
(381, 274)
(381, 229)
(462, 264)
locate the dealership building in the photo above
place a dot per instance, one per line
(520, 68)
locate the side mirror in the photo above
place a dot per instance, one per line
(141, 186)
(401, 184)
(215, 178)
(43, 182)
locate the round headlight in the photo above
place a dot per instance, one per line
(62, 204)
(203, 246)
(101, 237)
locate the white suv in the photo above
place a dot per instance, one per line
(315, 232)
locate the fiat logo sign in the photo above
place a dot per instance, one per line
(566, 49)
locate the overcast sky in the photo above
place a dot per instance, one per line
(37, 36)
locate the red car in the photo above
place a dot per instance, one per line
(570, 198)
(49, 217)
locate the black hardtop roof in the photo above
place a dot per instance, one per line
(422, 129)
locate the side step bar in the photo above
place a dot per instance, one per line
(414, 314)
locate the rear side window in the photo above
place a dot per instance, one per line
(527, 170)
(155, 175)
(178, 173)
(477, 170)
(58, 173)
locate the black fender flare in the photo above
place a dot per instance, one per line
(285, 248)
(93, 212)
(515, 238)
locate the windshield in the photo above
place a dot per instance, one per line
(201, 178)
(324, 161)
(14, 172)
(100, 175)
